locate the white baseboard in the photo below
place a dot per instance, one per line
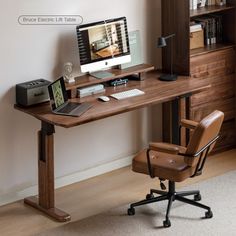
(66, 180)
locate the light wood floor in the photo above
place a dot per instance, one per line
(98, 194)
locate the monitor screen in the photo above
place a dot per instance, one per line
(103, 44)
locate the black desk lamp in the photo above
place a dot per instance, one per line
(160, 44)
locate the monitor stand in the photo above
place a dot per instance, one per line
(101, 74)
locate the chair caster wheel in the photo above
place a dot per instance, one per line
(166, 223)
(149, 196)
(131, 211)
(197, 197)
(209, 214)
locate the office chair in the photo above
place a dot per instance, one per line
(177, 163)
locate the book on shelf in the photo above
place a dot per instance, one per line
(215, 2)
(218, 27)
(190, 4)
(220, 2)
(212, 26)
(210, 2)
(193, 4)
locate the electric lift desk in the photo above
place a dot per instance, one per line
(156, 92)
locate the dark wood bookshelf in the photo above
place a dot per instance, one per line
(212, 63)
(210, 9)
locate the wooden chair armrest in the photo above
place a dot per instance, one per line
(190, 124)
(164, 147)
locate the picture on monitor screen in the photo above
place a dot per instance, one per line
(103, 44)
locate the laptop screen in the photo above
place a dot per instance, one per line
(57, 93)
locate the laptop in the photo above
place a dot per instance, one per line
(59, 100)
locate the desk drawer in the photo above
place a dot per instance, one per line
(218, 69)
(218, 92)
(227, 106)
(212, 64)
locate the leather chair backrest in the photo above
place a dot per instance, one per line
(207, 129)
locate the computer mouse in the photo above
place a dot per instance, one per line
(104, 98)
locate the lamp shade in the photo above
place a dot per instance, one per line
(161, 42)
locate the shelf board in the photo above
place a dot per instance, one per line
(87, 80)
(210, 9)
(210, 48)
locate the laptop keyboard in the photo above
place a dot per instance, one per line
(68, 108)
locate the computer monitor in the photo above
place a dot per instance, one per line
(103, 44)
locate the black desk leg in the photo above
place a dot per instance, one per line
(45, 201)
(175, 122)
(176, 134)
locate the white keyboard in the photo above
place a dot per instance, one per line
(127, 94)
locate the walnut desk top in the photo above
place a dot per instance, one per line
(156, 91)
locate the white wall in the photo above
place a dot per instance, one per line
(32, 52)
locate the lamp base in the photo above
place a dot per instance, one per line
(168, 77)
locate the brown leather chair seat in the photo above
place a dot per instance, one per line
(165, 166)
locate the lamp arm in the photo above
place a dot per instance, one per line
(169, 36)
